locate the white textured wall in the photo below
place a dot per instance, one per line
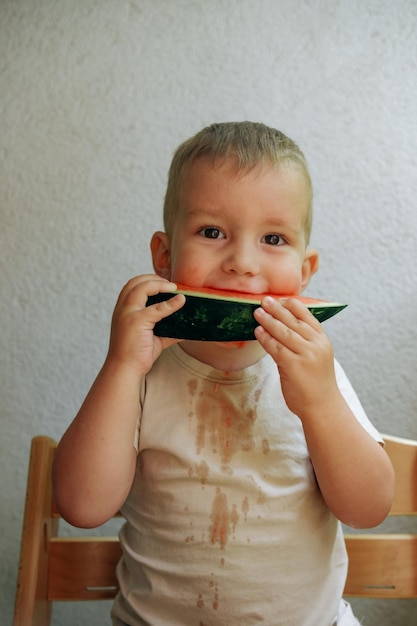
(94, 97)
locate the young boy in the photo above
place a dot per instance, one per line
(233, 464)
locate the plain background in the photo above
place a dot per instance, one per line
(94, 98)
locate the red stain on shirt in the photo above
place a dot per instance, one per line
(224, 422)
(220, 518)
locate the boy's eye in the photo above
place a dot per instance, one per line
(273, 240)
(211, 233)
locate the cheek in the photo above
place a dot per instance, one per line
(187, 268)
(285, 278)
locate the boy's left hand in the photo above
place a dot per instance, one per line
(301, 350)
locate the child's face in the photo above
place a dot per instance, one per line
(240, 231)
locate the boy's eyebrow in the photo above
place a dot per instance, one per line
(198, 211)
(203, 214)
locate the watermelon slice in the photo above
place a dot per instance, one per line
(218, 315)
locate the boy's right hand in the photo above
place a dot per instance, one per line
(132, 341)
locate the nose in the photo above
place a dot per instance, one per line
(241, 258)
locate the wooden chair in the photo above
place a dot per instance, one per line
(54, 568)
(385, 565)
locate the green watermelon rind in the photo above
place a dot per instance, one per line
(208, 318)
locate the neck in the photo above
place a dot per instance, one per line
(227, 357)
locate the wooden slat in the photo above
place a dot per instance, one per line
(403, 455)
(31, 603)
(82, 568)
(382, 566)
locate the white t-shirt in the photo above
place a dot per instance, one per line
(225, 522)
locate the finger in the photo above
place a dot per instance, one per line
(276, 330)
(136, 291)
(156, 312)
(301, 312)
(269, 343)
(294, 314)
(281, 322)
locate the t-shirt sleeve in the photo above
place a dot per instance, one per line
(353, 401)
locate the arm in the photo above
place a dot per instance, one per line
(95, 460)
(353, 471)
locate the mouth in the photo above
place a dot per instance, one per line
(234, 289)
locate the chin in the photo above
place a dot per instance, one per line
(233, 345)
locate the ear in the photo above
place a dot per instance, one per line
(161, 254)
(309, 267)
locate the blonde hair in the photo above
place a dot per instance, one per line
(247, 143)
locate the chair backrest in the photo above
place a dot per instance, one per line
(54, 568)
(385, 565)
